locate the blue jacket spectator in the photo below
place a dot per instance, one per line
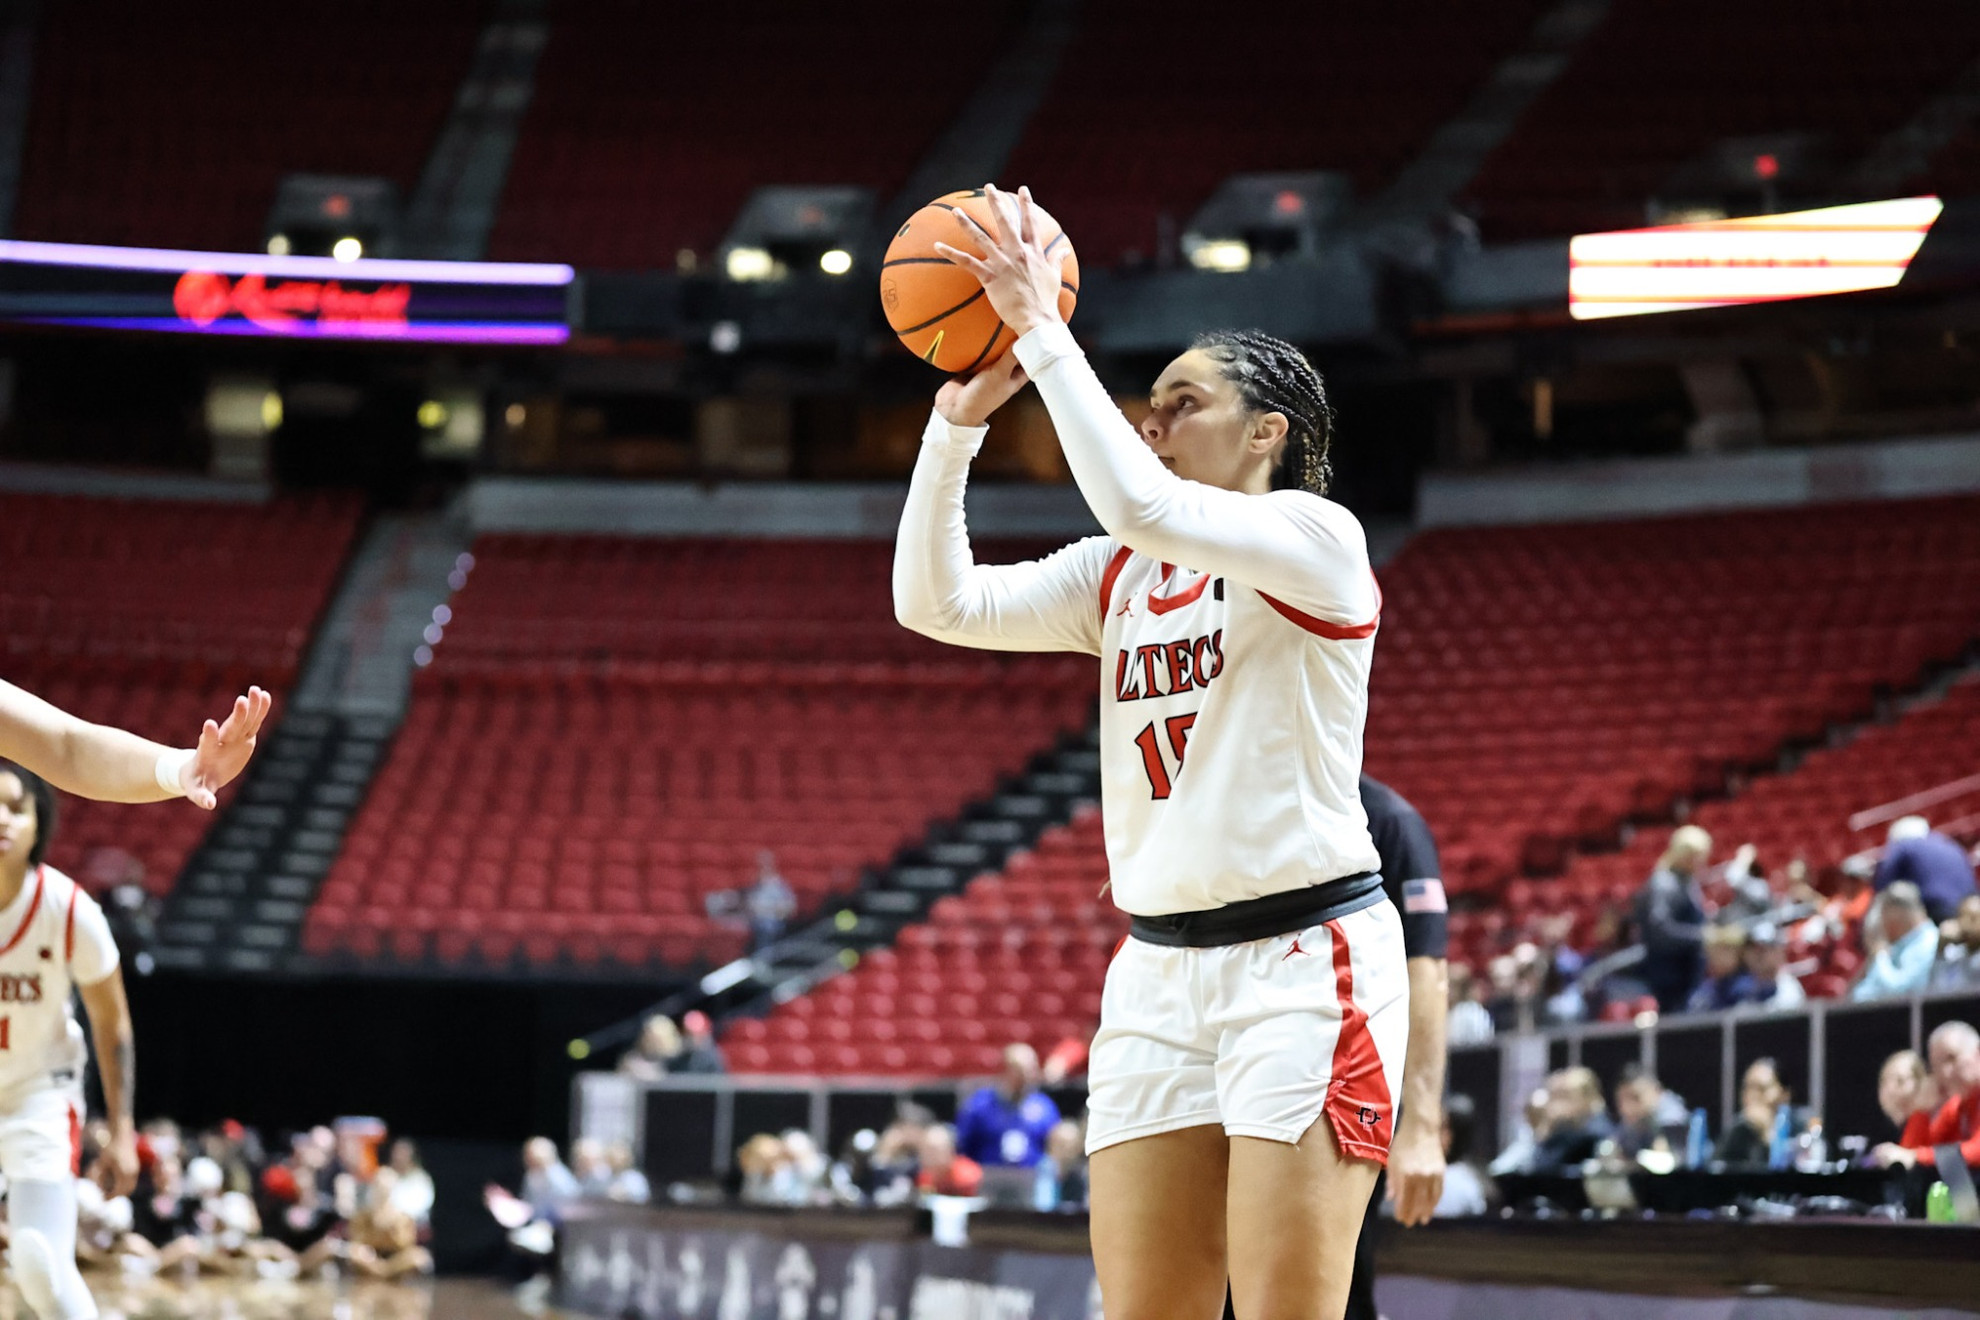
(1007, 1123)
(1914, 851)
(1904, 965)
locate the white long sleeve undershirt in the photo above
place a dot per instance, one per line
(1299, 548)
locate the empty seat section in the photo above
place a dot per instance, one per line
(651, 124)
(1660, 82)
(153, 616)
(170, 124)
(614, 730)
(1155, 104)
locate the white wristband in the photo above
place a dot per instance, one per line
(172, 764)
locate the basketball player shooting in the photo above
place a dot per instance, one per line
(110, 765)
(52, 937)
(1253, 1027)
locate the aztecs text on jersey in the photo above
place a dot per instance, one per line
(1231, 728)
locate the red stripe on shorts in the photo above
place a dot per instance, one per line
(1358, 1099)
(75, 1143)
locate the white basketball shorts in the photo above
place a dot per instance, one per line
(1261, 1037)
(41, 1134)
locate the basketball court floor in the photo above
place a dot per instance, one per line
(231, 1299)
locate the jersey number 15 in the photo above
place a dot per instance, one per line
(1160, 781)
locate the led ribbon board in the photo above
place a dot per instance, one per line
(237, 293)
(1761, 258)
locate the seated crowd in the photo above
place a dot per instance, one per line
(223, 1202)
(1930, 1102)
(1700, 938)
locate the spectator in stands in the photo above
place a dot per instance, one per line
(412, 1192)
(548, 1186)
(384, 1239)
(654, 1054)
(588, 1166)
(629, 1184)
(808, 1167)
(1061, 1181)
(1954, 1050)
(896, 1155)
(1905, 1088)
(1916, 853)
(1670, 914)
(1752, 896)
(770, 901)
(1725, 983)
(1469, 1023)
(1464, 1190)
(1747, 1142)
(1521, 1151)
(1911, 945)
(1577, 1121)
(1648, 1117)
(1958, 967)
(699, 1052)
(1006, 1123)
(764, 1166)
(944, 1172)
(1766, 979)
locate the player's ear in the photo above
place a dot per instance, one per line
(1268, 432)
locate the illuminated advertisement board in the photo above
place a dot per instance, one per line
(241, 293)
(1761, 258)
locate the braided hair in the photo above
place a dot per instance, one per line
(1273, 376)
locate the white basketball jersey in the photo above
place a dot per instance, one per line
(53, 937)
(1230, 737)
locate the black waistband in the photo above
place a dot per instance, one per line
(1261, 918)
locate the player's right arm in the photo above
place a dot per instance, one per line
(111, 765)
(940, 591)
(116, 1060)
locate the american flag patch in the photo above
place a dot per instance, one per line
(1424, 896)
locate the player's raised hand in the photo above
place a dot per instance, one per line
(969, 400)
(224, 749)
(1019, 278)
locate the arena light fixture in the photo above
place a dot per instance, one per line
(346, 249)
(1221, 254)
(1753, 259)
(835, 261)
(750, 263)
(278, 245)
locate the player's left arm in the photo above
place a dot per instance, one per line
(1416, 1156)
(116, 1060)
(1305, 551)
(113, 765)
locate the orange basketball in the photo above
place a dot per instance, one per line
(937, 308)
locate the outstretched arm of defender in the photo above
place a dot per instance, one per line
(111, 765)
(116, 1059)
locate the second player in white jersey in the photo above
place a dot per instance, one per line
(54, 942)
